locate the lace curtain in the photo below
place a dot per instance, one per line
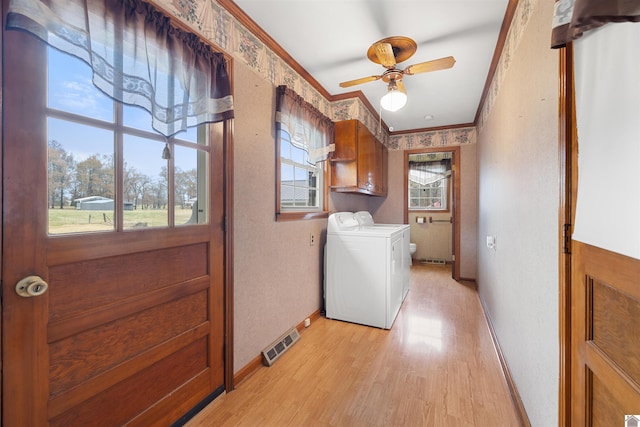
(307, 127)
(137, 57)
(425, 173)
(572, 18)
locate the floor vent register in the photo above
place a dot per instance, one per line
(433, 261)
(279, 346)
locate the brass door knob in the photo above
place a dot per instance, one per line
(31, 286)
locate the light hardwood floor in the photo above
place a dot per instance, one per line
(436, 367)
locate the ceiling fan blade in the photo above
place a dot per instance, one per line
(401, 86)
(435, 65)
(359, 81)
(384, 52)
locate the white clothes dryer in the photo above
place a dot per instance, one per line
(364, 271)
(365, 219)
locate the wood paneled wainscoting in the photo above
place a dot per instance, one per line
(437, 366)
(605, 340)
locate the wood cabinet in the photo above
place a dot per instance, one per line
(359, 163)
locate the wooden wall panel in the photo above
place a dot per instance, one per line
(78, 358)
(616, 322)
(605, 410)
(86, 285)
(605, 384)
(133, 395)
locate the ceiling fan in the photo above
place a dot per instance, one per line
(388, 52)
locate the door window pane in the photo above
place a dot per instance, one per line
(136, 117)
(80, 178)
(145, 184)
(70, 88)
(190, 200)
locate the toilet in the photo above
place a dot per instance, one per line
(412, 249)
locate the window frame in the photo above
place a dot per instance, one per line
(284, 214)
(116, 125)
(446, 192)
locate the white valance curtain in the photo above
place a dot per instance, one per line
(137, 57)
(307, 127)
(425, 173)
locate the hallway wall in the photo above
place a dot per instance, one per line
(518, 204)
(277, 273)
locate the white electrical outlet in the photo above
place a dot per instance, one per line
(491, 242)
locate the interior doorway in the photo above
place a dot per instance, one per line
(431, 205)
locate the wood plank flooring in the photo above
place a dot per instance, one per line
(436, 367)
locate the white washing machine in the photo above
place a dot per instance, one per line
(365, 219)
(364, 271)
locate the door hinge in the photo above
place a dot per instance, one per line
(566, 238)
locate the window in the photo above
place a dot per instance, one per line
(301, 183)
(428, 178)
(94, 143)
(106, 157)
(304, 140)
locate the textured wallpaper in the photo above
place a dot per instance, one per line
(516, 30)
(218, 26)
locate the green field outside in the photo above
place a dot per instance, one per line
(70, 220)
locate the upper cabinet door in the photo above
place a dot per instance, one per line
(359, 162)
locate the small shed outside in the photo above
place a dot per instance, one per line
(99, 203)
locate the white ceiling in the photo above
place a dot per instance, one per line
(330, 39)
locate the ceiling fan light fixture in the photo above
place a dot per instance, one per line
(394, 99)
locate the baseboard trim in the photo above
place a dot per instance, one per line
(256, 363)
(312, 317)
(472, 281)
(521, 412)
(248, 370)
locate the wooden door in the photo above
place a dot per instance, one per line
(567, 154)
(344, 173)
(130, 330)
(605, 339)
(384, 168)
(376, 165)
(366, 160)
(599, 302)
